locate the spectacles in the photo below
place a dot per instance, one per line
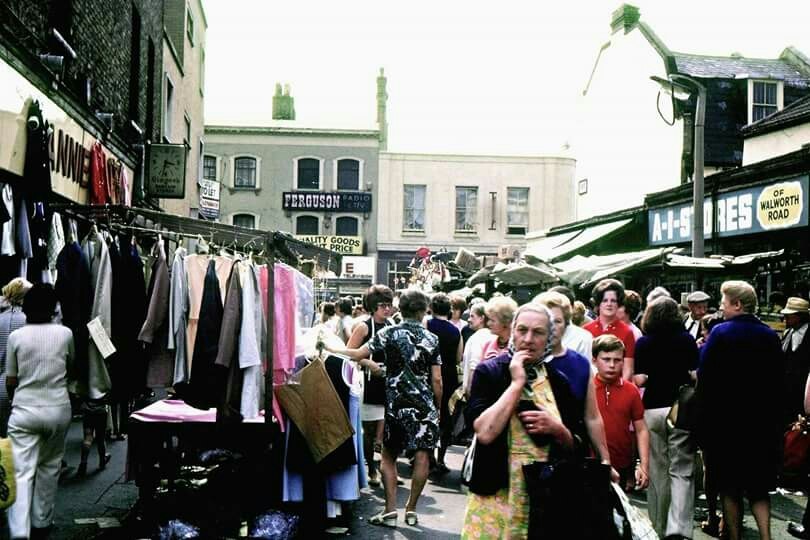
(384, 305)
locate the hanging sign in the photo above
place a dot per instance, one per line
(166, 171)
(780, 205)
(332, 201)
(348, 245)
(209, 199)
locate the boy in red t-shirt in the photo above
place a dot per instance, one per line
(620, 404)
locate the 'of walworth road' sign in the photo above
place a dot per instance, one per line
(331, 201)
(778, 205)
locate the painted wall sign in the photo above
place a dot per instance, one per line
(348, 245)
(775, 206)
(333, 201)
(166, 171)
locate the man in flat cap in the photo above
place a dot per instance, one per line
(698, 302)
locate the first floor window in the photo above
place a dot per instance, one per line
(309, 173)
(306, 225)
(466, 209)
(248, 221)
(346, 226)
(210, 168)
(764, 102)
(413, 216)
(348, 174)
(517, 210)
(244, 174)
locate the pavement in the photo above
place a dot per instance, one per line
(106, 494)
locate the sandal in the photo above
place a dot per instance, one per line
(411, 518)
(385, 520)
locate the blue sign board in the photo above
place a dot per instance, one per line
(774, 206)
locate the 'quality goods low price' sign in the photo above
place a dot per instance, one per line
(781, 205)
(347, 245)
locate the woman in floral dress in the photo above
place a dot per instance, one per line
(498, 504)
(413, 394)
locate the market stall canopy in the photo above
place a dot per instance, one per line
(521, 274)
(585, 271)
(553, 248)
(719, 262)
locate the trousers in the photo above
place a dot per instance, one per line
(671, 495)
(38, 443)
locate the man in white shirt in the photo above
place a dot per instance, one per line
(698, 302)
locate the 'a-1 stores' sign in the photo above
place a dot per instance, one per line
(774, 206)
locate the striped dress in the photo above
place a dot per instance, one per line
(10, 320)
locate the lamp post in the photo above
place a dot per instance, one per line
(681, 88)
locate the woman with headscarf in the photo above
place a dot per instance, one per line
(10, 319)
(39, 358)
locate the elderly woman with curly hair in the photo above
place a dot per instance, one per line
(10, 319)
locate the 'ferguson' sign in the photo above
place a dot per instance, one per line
(327, 202)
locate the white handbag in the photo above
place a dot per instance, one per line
(469, 458)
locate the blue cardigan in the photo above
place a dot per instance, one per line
(490, 380)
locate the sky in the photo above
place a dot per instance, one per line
(468, 77)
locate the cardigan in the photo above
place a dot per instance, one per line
(490, 381)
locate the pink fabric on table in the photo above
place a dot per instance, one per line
(176, 410)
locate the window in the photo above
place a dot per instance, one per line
(413, 215)
(466, 209)
(244, 173)
(248, 221)
(168, 109)
(210, 168)
(135, 67)
(190, 26)
(582, 186)
(346, 226)
(348, 174)
(309, 173)
(150, 88)
(517, 210)
(764, 102)
(399, 274)
(306, 225)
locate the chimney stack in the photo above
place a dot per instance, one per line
(382, 101)
(283, 104)
(625, 18)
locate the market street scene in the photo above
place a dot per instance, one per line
(445, 270)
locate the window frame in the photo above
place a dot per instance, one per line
(296, 160)
(357, 220)
(360, 170)
(299, 216)
(256, 218)
(405, 210)
(780, 97)
(216, 167)
(232, 182)
(190, 25)
(526, 190)
(475, 224)
(168, 106)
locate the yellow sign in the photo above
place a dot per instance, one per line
(346, 245)
(780, 205)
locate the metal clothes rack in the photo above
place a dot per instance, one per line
(277, 246)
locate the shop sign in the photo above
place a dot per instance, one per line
(358, 267)
(166, 171)
(348, 245)
(69, 145)
(209, 199)
(333, 201)
(776, 206)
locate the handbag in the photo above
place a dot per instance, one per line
(684, 412)
(797, 448)
(8, 483)
(469, 461)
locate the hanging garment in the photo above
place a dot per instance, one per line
(252, 342)
(22, 239)
(7, 238)
(56, 241)
(227, 364)
(196, 270)
(284, 310)
(37, 167)
(126, 189)
(305, 298)
(202, 391)
(98, 175)
(98, 383)
(178, 316)
(39, 226)
(154, 333)
(74, 291)
(313, 405)
(129, 313)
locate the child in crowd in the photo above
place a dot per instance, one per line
(620, 404)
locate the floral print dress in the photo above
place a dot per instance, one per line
(411, 415)
(505, 515)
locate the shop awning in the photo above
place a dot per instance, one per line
(553, 248)
(521, 274)
(719, 262)
(585, 271)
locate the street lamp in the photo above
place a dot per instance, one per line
(681, 88)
